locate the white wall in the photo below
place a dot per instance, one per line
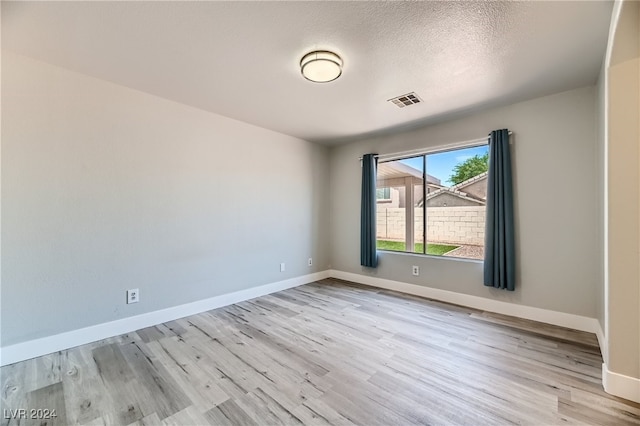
(106, 188)
(600, 168)
(623, 189)
(554, 154)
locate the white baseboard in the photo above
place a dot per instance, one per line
(70, 339)
(561, 319)
(620, 385)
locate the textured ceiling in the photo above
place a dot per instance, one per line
(240, 59)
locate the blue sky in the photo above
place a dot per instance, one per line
(441, 165)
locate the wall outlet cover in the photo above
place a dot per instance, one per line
(133, 295)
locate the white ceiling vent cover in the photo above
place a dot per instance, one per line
(406, 100)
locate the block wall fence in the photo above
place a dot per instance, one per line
(455, 225)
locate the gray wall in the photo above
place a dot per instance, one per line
(106, 188)
(554, 154)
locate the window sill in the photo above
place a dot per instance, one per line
(431, 256)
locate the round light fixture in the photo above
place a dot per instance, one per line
(321, 66)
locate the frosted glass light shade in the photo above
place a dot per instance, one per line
(321, 66)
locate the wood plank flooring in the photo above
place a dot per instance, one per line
(325, 353)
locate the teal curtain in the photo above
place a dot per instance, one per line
(499, 249)
(368, 253)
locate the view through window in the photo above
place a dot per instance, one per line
(437, 198)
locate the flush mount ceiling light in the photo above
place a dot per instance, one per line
(321, 66)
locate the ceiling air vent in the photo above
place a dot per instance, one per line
(406, 100)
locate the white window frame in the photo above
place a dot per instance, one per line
(409, 198)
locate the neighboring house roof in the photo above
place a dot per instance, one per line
(455, 190)
(459, 194)
(469, 181)
(394, 170)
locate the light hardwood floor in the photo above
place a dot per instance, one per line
(325, 353)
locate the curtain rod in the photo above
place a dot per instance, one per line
(439, 148)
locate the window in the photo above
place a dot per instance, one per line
(434, 203)
(383, 194)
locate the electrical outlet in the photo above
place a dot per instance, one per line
(133, 296)
(416, 270)
(282, 267)
(310, 262)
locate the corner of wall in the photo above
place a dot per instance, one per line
(620, 385)
(602, 341)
